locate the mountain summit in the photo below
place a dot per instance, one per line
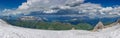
(98, 26)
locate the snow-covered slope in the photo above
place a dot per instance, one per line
(8, 31)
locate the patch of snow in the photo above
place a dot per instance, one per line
(9, 31)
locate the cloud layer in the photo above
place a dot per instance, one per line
(47, 5)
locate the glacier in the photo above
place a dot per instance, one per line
(9, 31)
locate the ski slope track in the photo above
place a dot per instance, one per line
(9, 31)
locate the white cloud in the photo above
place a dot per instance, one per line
(50, 11)
(41, 3)
(89, 8)
(38, 5)
(74, 1)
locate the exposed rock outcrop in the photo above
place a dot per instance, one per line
(98, 27)
(118, 21)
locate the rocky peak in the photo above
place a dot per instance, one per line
(98, 26)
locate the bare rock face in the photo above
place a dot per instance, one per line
(118, 21)
(98, 27)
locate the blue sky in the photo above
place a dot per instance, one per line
(88, 7)
(105, 2)
(9, 4)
